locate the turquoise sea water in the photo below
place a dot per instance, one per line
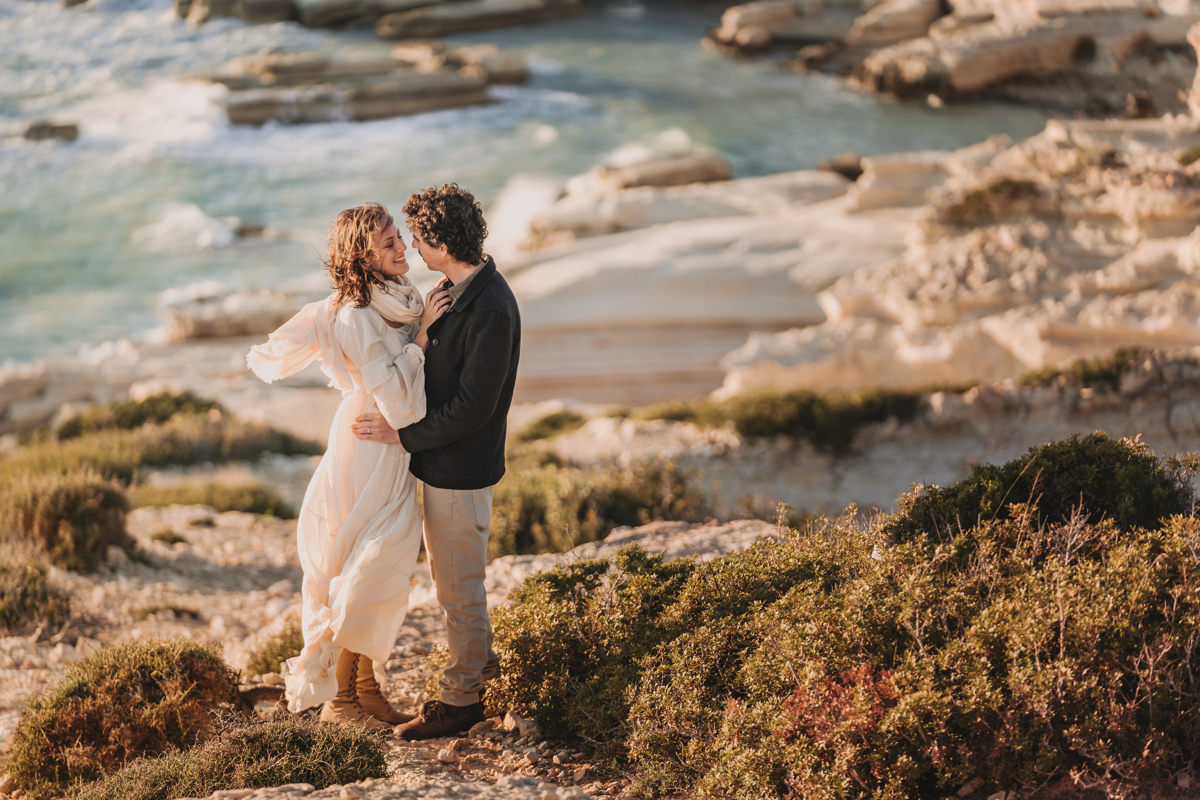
(92, 232)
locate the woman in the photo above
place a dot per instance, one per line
(359, 530)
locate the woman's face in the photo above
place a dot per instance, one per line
(389, 253)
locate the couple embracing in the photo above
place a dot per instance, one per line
(427, 384)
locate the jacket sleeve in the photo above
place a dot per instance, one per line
(395, 381)
(488, 347)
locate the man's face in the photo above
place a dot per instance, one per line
(389, 253)
(434, 257)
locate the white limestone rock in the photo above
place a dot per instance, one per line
(448, 18)
(894, 21)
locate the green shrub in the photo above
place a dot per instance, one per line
(551, 425)
(250, 756)
(1104, 372)
(279, 648)
(570, 642)
(844, 661)
(153, 609)
(28, 598)
(143, 698)
(992, 201)
(250, 496)
(1189, 157)
(130, 414)
(550, 507)
(74, 517)
(182, 440)
(168, 536)
(828, 421)
(1120, 480)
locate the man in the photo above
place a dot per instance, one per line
(458, 448)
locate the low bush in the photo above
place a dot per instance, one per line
(168, 536)
(143, 698)
(1104, 372)
(250, 496)
(551, 425)
(182, 440)
(843, 661)
(250, 756)
(279, 648)
(992, 201)
(29, 599)
(1190, 156)
(828, 421)
(154, 609)
(130, 414)
(1116, 479)
(74, 517)
(544, 506)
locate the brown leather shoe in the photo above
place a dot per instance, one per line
(344, 709)
(370, 696)
(439, 719)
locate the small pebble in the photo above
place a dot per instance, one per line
(447, 756)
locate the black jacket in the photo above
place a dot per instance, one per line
(470, 371)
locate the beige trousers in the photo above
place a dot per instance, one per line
(456, 540)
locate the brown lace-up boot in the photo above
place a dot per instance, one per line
(344, 709)
(370, 696)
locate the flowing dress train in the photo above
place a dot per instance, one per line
(359, 530)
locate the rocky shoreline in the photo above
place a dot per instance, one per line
(1098, 57)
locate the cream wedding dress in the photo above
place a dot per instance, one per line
(359, 530)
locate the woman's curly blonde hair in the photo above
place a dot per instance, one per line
(352, 252)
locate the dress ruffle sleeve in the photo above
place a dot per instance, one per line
(396, 381)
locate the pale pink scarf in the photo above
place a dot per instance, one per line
(309, 335)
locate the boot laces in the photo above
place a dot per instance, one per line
(434, 709)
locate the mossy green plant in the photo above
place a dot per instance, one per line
(545, 506)
(182, 440)
(136, 699)
(1189, 156)
(130, 414)
(829, 421)
(1116, 479)
(250, 755)
(553, 424)
(1103, 372)
(168, 536)
(154, 609)
(74, 517)
(992, 201)
(249, 496)
(29, 598)
(274, 651)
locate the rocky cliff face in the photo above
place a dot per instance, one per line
(1073, 243)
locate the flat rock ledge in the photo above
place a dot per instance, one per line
(1104, 57)
(394, 19)
(509, 787)
(415, 78)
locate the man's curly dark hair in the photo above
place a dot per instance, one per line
(448, 216)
